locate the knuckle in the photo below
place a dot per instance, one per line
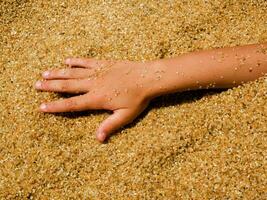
(86, 61)
(97, 96)
(62, 72)
(64, 86)
(100, 100)
(55, 73)
(59, 73)
(70, 104)
(45, 85)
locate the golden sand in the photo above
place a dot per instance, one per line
(194, 145)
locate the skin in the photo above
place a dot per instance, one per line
(127, 87)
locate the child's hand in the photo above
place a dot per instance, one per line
(127, 87)
(117, 86)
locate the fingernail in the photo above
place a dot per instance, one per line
(67, 60)
(38, 85)
(46, 74)
(43, 106)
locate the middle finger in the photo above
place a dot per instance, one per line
(69, 73)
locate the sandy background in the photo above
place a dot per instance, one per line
(194, 145)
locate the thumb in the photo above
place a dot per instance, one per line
(118, 119)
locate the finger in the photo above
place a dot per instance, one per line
(68, 86)
(82, 62)
(77, 103)
(69, 73)
(87, 62)
(118, 119)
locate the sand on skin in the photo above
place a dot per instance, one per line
(194, 145)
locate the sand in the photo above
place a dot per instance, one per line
(194, 145)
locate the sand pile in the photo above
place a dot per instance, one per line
(194, 145)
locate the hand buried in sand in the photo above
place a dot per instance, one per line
(127, 87)
(116, 86)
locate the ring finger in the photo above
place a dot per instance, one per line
(68, 86)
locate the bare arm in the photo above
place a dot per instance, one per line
(220, 68)
(126, 87)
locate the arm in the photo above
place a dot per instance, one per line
(220, 68)
(126, 87)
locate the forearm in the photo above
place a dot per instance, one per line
(217, 68)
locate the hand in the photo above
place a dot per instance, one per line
(119, 86)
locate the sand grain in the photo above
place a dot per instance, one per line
(194, 145)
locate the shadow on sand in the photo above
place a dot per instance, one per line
(162, 101)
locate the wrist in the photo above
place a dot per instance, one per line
(169, 76)
(158, 79)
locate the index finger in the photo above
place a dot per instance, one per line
(88, 62)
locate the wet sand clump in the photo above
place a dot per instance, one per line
(194, 145)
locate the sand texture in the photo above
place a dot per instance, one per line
(193, 145)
